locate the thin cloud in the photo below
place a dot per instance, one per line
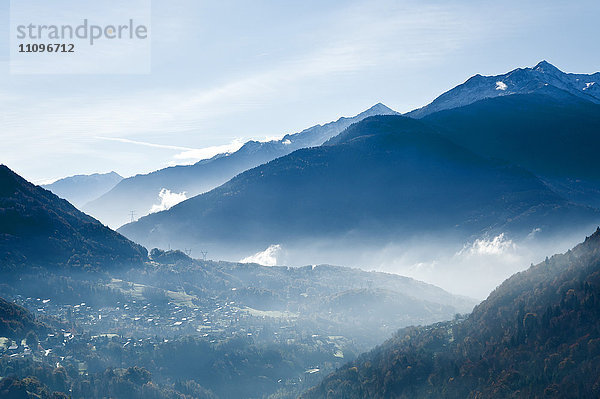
(153, 145)
(197, 154)
(186, 154)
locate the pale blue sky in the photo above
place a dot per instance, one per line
(228, 71)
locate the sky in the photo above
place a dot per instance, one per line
(223, 72)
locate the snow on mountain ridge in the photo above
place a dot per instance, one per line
(518, 81)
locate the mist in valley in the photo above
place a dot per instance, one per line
(471, 267)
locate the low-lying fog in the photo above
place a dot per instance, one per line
(471, 268)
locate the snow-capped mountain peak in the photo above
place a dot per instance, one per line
(543, 78)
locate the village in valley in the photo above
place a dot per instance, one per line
(141, 325)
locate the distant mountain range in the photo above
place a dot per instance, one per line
(81, 189)
(141, 192)
(382, 179)
(537, 335)
(544, 78)
(486, 167)
(38, 228)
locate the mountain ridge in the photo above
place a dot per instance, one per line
(80, 189)
(385, 175)
(141, 192)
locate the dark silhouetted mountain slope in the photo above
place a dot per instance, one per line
(557, 139)
(550, 137)
(37, 227)
(540, 118)
(537, 335)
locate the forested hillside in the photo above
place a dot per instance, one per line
(39, 228)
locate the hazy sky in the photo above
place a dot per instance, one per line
(228, 71)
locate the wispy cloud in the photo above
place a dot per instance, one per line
(153, 145)
(184, 155)
(196, 154)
